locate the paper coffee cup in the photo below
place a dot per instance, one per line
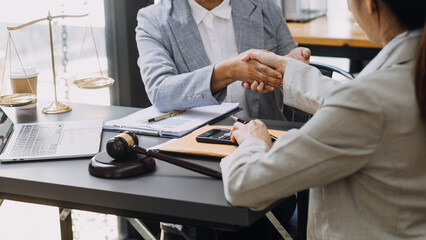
(19, 82)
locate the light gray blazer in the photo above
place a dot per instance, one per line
(363, 154)
(175, 67)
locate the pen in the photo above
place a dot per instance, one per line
(239, 120)
(164, 116)
(140, 131)
(273, 138)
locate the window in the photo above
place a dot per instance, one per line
(33, 46)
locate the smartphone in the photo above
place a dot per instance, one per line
(216, 135)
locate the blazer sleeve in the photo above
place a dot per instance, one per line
(167, 88)
(339, 140)
(304, 86)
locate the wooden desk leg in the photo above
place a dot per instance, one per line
(66, 224)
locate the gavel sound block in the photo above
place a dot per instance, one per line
(104, 166)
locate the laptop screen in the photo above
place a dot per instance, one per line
(6, 127)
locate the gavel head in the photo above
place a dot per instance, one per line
(120, 145)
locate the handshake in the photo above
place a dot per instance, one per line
(262, 71)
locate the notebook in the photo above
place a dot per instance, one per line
(50, 140)
(175, 126)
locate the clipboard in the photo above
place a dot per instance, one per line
(188, 144)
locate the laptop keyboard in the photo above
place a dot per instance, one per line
(36, 140)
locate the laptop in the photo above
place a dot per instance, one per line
(49, 140)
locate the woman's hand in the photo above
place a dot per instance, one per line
(300, 54)
(255, 128)
(277, 62)
(230, 70)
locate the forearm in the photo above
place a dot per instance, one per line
(305, 87)
(181, 91)
(222, 76)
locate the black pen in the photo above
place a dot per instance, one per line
(273, 138)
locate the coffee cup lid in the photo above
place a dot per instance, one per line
(18, 72)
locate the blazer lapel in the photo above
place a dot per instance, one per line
(248, 27)
(187, 36)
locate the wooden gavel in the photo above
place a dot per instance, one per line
(127, 142)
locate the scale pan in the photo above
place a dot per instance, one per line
(17, 99)
(94, 82)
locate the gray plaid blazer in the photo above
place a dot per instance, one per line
(174, 65)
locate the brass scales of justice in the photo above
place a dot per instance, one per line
(23, 99)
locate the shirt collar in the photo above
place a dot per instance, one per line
(199, 12)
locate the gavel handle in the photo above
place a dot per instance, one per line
(178, 162)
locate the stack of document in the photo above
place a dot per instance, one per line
(175, 126)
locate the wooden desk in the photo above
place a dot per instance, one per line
(169, 193)
(331, 30)
(335, 35)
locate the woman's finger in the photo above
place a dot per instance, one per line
(235, 128)
(267, 70)
(254, 85)
(245, 85)
(263, 88)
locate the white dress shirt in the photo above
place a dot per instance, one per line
(218, 36)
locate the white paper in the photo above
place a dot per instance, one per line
(173, 126)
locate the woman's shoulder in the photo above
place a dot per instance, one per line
(390, 78)
(378, 92)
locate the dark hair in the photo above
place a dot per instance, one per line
(411, 14)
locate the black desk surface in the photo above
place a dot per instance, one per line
(170, 193)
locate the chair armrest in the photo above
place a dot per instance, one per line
(331, 69)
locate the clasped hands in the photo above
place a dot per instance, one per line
(271, 67)
(259, 70)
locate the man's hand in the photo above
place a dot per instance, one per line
(277, 62)
(256, 128)
(249, 71)
(271, 59)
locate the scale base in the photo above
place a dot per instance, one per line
(56, 107)
(18, 99)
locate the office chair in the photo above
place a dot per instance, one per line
(296, 115)
(328, 70)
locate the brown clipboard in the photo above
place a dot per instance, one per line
(188, 144)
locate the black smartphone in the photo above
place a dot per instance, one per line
(216, 135)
